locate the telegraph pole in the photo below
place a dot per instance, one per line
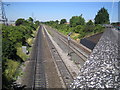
(69, 39)
(119, 11)
(3, 17)
(33, 17)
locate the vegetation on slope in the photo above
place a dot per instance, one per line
(14, 37)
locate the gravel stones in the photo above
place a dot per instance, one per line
(102, 69)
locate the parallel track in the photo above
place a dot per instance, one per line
(82, 53)
(39, 72)
(75, 45)
(65, 74)
(77, 49)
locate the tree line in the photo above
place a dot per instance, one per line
(78, 25)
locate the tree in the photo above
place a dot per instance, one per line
(88, 28)
(102, 17)
(98, 28)
(37, 23)
(63, 21)
(19, 21)
(57, 21)
(77, 20)
(9, 50)
(13, 37)
(115, 23)
(90, 22)
(78, 28)
(22, 21)
(30, 19)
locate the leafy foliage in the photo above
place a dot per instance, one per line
(20, 21)
(57, 21)
(88, 28)
(90, 22)
(63, 21)
(77, 25)
(78, 28)
(11, 68)
(77, 20)
(9, 73)
(37, 23)
(98, 28)
(116, 23)
(13, 38)
(102, 17)
(30, 20)
(9, 49)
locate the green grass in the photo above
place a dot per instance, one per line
(84, 33)
(21, 54)
(34, 32)
(29, 41)
(0, 46)
(29, 49)
(18, 72)
(75, 37)
(12, 66)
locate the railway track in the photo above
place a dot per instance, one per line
(82, 52)
(65, 74)
(75, 50)
(80, 48)
(39, 71)
(39, 80)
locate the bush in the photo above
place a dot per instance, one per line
(13, 39)
(98, 28)
(77, 25)
(88, 28)
(8, 49)
(78, 29)
(20, 53)
(11, 68)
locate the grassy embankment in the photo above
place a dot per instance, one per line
(78, 33)
(23, 55)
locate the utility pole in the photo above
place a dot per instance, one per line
(119, 11)
(33, 17)
(69, 39)
(3, 17)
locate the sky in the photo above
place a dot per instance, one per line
(46, 11)
(60, 0)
